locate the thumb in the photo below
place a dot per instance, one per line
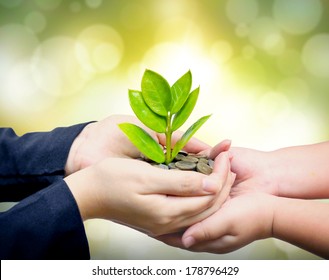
(213, 227)
(181, 183)
(219, 148)
(221, 172)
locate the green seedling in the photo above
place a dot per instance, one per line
(164, 109)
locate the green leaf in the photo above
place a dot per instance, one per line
(143, 141)
(180, 91)
(183, 114)
(145, 114)
(188, 134)
(156, 92)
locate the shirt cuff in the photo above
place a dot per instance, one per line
(46, 225)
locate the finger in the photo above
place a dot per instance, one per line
(189, 183)
(214, 227)
(219, 148)
(223, 245)
(193, 216)
(197, 210)
(220, 172)
(180, 183)
(172, 239)
(195, 146)
(185, 211)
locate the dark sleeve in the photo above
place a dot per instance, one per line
(46, 225)
(34, 160)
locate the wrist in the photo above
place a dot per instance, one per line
(273, 169)
(266, 220)
(82, 186)
(273, 204)
(284, 172)
(74, 161)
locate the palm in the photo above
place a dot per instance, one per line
(252, 172)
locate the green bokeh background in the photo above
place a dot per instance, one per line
(262, 67)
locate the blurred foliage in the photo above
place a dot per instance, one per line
(262, 67)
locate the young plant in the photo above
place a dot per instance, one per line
(163, 109)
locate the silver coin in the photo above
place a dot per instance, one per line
(203, 160)
(203, 168)
(172, 165)
(185, 165)
(190, 159)
(183, 153)
(179, 157)
(197, 155)
(161, 165)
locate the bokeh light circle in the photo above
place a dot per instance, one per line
(297, 16)
(16, 40)
(242, 30)
(106, 56)
(99, 48)
(315, 55)
(20, 92)
(35, 21)
(16, 43)
(55, 67)
(266, 35)
(94, 3)
(242, 11)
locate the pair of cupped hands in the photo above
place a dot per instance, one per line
(185, 209)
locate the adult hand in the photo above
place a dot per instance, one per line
(147, 198)
(103, 139)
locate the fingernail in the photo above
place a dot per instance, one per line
(188, 241)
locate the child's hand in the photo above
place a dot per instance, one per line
(240, 221)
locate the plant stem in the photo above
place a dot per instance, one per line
(168, 139)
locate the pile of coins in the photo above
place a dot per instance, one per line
(191, 162)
